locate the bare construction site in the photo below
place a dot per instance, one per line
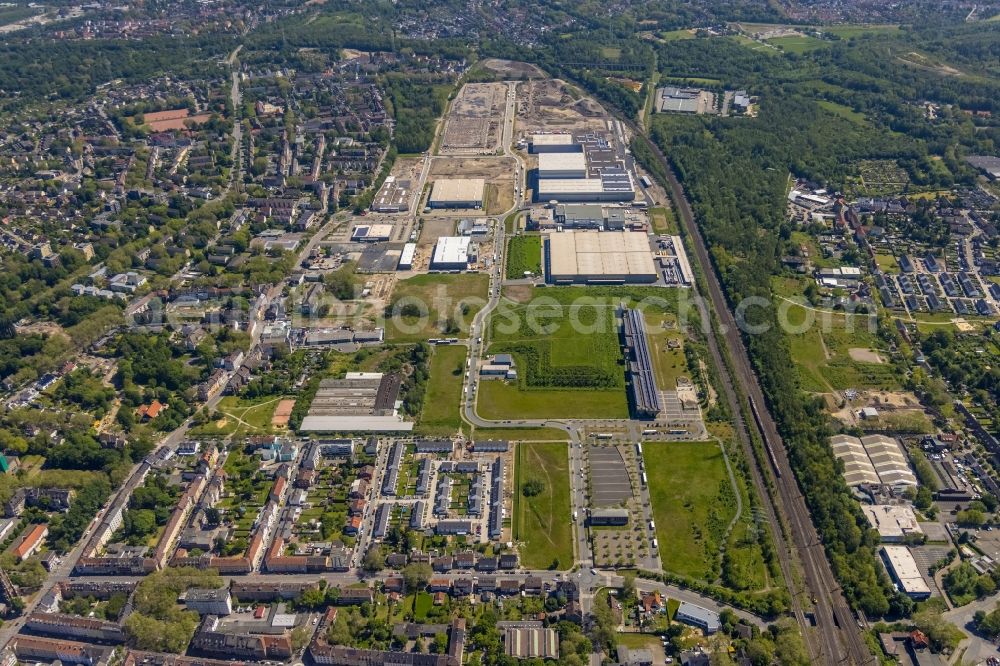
(475, 119)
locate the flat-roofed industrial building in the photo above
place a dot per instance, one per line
(904, 571)
(553, 143)
(371, 233)
(615, 185)
(562, 165)
(599, 258)
(457, 193)
(893, 521)
(406, 257)
(452, 253)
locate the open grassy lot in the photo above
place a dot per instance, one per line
(542, 523)
(666, 344)
(239, 417)
(663, 220)
(441, 415)
(693, 503)
(520, 434)
(524, 254)
(422, 306)
(797, 43)
(10, 15)
(845, 112)
(690, 80)
(887, 263)
(822, 352)
(848, 31)
(568, 358)
(499, 400)
(674, 35)
(565, 343)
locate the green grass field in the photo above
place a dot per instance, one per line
(10, 15)
(674, 35)
(887, 263)
(542, 524)
(498, 400)
(845, 112)
(568, 358)
(524, 254)
(238, 417)
(441, 415)
(422, 603)
(693, 502)
(520, 434)
(821, 352)
(797, 43)
(663, 220)
(690, 80)
(849, 31)
(668, 363)
(442, 297)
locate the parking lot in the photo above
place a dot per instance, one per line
(609, 479)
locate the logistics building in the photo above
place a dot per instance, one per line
(610, 185)
(457, 193)
(562, 165)
(553, 143)
(452, 253)
(607, 257)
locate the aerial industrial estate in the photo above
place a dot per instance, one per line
(330, 333)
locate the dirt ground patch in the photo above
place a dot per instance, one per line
(434, 228)
(549, 105)
(474, 121)
(490, 168)
(282, 413)
(862, 355)
(519, 293)
(513, 68)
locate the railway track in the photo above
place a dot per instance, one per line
(837, 638)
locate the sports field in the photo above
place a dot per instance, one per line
(440, 416)
(542, 523)
(693, 503)
(422, 306)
